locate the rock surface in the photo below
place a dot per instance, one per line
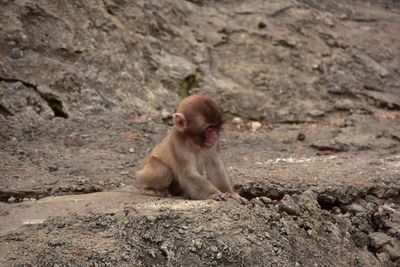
(310, 94)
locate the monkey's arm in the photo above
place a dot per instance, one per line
(216, 172)
(197, 186)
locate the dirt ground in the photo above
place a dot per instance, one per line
(87, 88)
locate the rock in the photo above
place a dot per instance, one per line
(335, 89)
(372, 64)
(198, 244)
(393, 251)
(360, 239)
(176, 66)
(237, 120)
(288, 42)
(261, 25)
(131, 150)
(266, 200)
(329, 145)
(391, 192)
(275, 216)
(344, 104)
(309, 201)
(16, 53)
(288, 205)
(301, 137)
(383, 257)
(165, 114)
(316, 113)
(256, 201)
(373, 199)
(26, 199)
(378, 239)
(353, 207)
(52, 167)
(11, 199)
(255, 125)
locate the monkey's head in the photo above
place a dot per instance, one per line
(199, 118)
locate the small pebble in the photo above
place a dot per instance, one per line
(16, 53)
(11, 199)
(131, 150)
(262, 25)
(52, 167)
(165, 114)
(301, 137)
(237, 120)
(266, 200)
(26, 199)
(198, 244)
(255, 125)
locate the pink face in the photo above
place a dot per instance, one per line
(211, 136)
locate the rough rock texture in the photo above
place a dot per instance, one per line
(310, 90)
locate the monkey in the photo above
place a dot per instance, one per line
(187, 162)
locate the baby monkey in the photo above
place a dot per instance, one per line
(188, 161)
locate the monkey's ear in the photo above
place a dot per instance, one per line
(179, 121)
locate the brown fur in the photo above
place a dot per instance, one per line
(182, 163)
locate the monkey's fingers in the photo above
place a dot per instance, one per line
(239, 199)
(220, 197)
(162, 193)
(243, 200)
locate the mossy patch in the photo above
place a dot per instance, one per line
(55, 104)
(187, 84)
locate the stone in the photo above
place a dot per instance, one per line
(301, 137)
(288, 205)
(378, 239)
(360, 239)
(383, 257)
(353, 207)
(237, 120)
(316, 113)
(392, 250)
(165, 114)
(266, 200)
(52, 167)
(16, 53)
(11, 199)
(255, 125)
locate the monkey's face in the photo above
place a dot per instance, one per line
(210, 135)
(200, 119)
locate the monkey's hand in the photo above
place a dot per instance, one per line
(238, 198)
(220, 196)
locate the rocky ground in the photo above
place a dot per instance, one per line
(88, 87)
